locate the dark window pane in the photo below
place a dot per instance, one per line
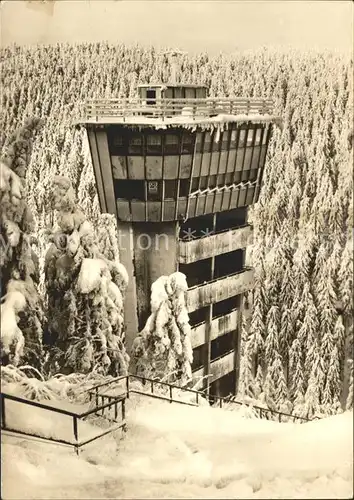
(195, 183)
(229, 178)
(220, 181)
(197, 227)
(230, 219)
(171, 189)
(212, 181)
(171, 144)
(188, 143)
(245, 175)
(226, 306)
(199, 357)
(222, 345)
(154, 144)
(204, 182)
(198, 316)
(129, 189)
(135, 144)
(253, 174)
(151, 96)
(228, 263)
(197, 272)
(237, 176)
(184, 187)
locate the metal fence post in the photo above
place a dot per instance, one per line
(76, 435)
(197, 398)
(123, 409)
(127, 386)
(2, 402)
(152, 387)
(170, 393)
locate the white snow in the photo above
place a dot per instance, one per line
(177, 451)
(90, 275)
(188, 121)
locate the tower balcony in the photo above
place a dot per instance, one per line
(215, 244)
(219, 289)
(171, 110)
(218, 327)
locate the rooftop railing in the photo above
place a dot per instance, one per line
(167, 108)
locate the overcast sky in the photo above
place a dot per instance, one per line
(190, 25)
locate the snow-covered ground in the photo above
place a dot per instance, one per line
(177, 451)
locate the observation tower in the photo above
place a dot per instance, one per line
(179, 169)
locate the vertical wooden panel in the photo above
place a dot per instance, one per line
(242, 198)
(135, 167)
(209, 203)
(169, 210)
(192, 207)
(186, 166)
(106, 169)
(154, 211)
(231, 161)
(248, 158)
(171, 166)
(226, 200)
(123, 210)
(97, 169)
(234, 196)
(138, 210)
(205, 163)
(250, 194)
(119, 167)
(153, 166)
(218, 202)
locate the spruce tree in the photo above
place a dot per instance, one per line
(163, 348)
(85, 294)
(21, 308)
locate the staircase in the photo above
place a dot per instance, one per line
(107, 402)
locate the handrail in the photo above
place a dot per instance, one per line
(122, 107)
(245, 268)
(113, 402)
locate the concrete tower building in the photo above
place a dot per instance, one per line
(178, 170)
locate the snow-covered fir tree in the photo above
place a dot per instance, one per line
(85, 292)
(163, 348)
(21, 308)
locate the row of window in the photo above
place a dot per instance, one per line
(158, 190)
(200, 272)
(218, 347)
(173, 143)
(198, 227)
(218, 309)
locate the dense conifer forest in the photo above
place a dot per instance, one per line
(297, 349)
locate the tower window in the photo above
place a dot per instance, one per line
(129, 189)
(154, 144)
(222, 345)
(151, 96)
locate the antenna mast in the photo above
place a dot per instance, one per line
(174, 60)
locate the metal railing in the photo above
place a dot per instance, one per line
(217, 400)
(111, 403)
(107, 406)
(166, 108)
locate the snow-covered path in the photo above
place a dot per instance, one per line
(176, 451)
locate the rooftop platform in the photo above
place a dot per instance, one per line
(169, 112)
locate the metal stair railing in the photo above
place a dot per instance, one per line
(220, 401)
(107, 406)
(112, 403)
